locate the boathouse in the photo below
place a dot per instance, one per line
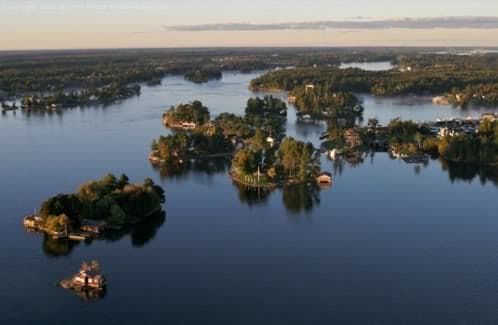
(324, 178)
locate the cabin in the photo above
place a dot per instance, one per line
(91, 226)
(89, 278)
(310, 87)
(352, 137)
(324, 178)
(33, 221)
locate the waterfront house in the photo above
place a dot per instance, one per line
(34, 222)
(324, 178)
(90, 279)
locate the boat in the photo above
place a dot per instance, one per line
(78, 236)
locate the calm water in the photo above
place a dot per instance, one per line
(369, 66)
(389, 243)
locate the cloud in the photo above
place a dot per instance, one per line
(472, 22)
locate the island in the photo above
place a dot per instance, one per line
(262, 166)
(96, 206)
(322, 102)
(89, 283)
(203, 75)
(93, 96)
(187, 116)
(177, 149)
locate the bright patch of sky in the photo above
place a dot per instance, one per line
(112, 23)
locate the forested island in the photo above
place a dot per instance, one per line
(203, 75)
(321, 102)
(110, 201)
(258, 165)
(187, 116)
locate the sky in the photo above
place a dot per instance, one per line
(70, 24)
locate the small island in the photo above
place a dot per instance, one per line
(96, 206)
(203, 75)
(88, 283)
(292, 163)
(322, 102)
(177, 149)
(187, 116)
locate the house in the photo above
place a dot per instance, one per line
(89, 278)
(352, 137)
(324, 178)
(35, 222)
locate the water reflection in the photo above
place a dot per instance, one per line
(301, 198)
(456, 171)
(89, 294)
(252, 196)
(469, 172)
(297, 199)
(195, 166)
(351, 160)
(140, 235)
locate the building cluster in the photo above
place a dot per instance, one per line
(455, 126)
